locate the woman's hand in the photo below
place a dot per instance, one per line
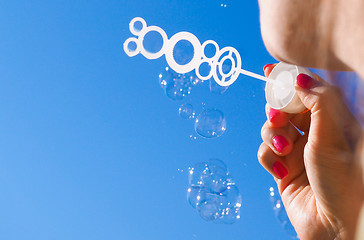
(318, 177)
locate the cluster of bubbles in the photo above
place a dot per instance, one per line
(213, 193)
(210, 123)
(280, 213)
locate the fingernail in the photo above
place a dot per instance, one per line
(305, 81)
(280, 170)
(273, 114)
(265, 67)
(279, 142)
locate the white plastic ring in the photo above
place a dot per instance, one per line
(129, 52)
(197, 70)
(196, 57)
(158, 54)
(221, 63)
(132, 28)
(216, 48)
(235, 70)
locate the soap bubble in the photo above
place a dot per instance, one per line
(216, 182)
(176, 86)
(210, 123)
(186, 111)
(197, 173)
(209, 210)
(196, 196)
(231, 215)
(216, 88)
(192, 78)
(280, 213)
(213, 192)
(232, 197)
(215, 164)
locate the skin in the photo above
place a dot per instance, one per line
(323, 192)
(315, 33)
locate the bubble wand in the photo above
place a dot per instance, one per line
(280, 89)
(198, 58)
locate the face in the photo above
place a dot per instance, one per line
(307, 33)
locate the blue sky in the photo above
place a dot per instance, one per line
(90, 146)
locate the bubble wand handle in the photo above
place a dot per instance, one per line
(256, 76)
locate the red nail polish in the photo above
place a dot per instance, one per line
(268, 65)
(280, 170)
(273, 114)
(279, 142)
(305, 81)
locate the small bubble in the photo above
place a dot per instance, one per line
(210, 123)
(186, 111)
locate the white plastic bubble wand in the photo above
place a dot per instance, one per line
(280, 86)
(198, 58)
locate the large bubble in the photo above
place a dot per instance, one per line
(280, 213)
(212, 192)
(210, 123)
